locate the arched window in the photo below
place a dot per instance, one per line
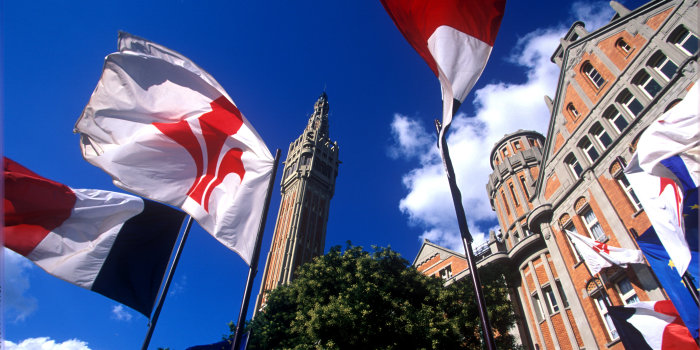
(684, 40)
(593, 75)
(589, 149)
(600, 135)
(629, 103)
(663, 65)
(648, 84)
(572, 111)
(623, 46)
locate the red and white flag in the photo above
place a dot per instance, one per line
(163, 128)
(454, 37)
(651, 325)
(598, 255)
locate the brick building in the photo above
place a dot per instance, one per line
(307, 186)
(613, 83)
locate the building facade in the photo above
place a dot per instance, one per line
(614, 82)
(307, 186)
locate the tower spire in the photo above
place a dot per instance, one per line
(318, 121)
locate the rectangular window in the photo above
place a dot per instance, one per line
(592, 225)
(562, 295)
(550, 300)
(522, 182)
(601, 136)
(505, 202)
(627, 187)
(504, 150)
(577, 256)
(648, 84)
(574, 166)
(590, 150)
(665, 67)
(532, 142)
(616, 119)
(512, 193)
(446, 273)
(627, 292)
(517, 145)
(631, 104)
(603, 312)
(537, 305)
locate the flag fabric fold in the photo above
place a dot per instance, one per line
(599, 255)
(664, 173)
(651, 325)
(454, 37)
(665, 271)
(165, 129)
(112, 243)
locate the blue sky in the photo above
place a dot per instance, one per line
(274, 59)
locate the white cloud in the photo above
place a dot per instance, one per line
(500, 108)
(17, 304)
(45, 343)
(120, 313)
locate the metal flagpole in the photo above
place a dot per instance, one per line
(466, 237)
(688, 281)
(254, 261)
(161, 298)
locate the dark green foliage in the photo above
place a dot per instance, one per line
(360, 300)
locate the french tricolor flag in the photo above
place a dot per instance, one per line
(112, 243)
(651, 325)
(455, 37)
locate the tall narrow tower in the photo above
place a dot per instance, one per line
(308, 183)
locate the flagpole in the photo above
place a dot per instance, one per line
(466, 237)
(254, 260)
(161, 298)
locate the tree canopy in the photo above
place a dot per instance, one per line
(355, 299)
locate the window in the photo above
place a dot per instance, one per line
(627, 293)
(532, 142)
(630, 103)
(663, 65)
(684, 40)
(305, 159)
(645, 82)
(601, 135)
(446, 273)
(573, 111)
(550, 300)
(600, 300)
(571, 228)
(505, 202)
(517, 145)
(588, 148)
(522, 182)
(593, 75)
(504, 150)
(623, 46)
(537, 305)
(512, 193)
(574, 165)
(592, 225)
(616, 119)
(627, 188)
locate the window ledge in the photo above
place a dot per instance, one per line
(610, 344)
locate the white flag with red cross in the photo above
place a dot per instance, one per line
(598, 255)
(163, 128)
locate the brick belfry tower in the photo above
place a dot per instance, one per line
(308, 183)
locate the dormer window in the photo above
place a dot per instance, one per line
(573, 111)
(623, 46)
(593, 75)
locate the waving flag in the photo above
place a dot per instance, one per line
(112, 243)
(454, 37)
(598, 255)
(665, 271)
(664, 174)
(651, 325)
(163, 128)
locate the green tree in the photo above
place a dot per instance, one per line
(359, 300)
